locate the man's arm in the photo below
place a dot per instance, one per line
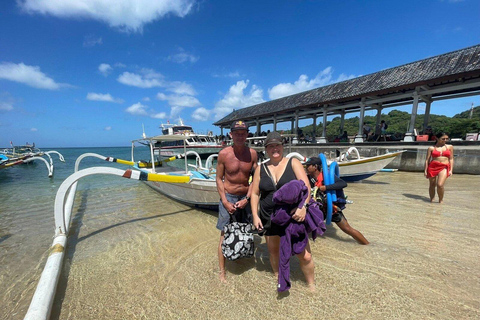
(220, 175)
(337, 185)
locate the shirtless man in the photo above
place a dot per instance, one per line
(234, 166)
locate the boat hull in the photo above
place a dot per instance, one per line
(199, 193)
(359, 169)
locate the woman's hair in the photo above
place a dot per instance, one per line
(439, 135)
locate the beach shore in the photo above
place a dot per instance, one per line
(145, 256)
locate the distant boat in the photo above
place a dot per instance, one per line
(203, 144)
(17, 155)
(353, 167)
(22, 151)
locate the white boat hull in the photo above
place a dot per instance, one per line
(197, 193)
(359, 169)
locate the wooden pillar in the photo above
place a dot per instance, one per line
(314, 136)
(274, 122)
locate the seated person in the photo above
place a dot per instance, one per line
(315, 176)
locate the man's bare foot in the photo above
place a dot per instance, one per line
(222, 277)
(311, 287)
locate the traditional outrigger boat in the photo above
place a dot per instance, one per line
(353, 167)
(25, 154)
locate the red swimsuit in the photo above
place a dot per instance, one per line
(435, 167)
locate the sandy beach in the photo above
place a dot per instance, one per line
(152, 258)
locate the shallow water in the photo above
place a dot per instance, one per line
(134, 254)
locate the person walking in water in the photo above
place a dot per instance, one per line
(313, 168)
(235, 164)
(439, 165)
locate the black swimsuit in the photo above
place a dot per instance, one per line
(267, 206)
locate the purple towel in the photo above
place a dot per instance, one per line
(292, 195)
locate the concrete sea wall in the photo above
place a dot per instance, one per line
(466, 156)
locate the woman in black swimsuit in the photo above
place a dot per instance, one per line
(280, 171)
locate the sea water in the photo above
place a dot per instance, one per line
(27, 197)
(135, 254)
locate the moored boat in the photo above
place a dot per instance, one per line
(353, 167)
(199, 191)
(203, 144)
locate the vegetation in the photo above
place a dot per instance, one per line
(398, 122)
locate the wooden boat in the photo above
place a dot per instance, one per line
(199, 191)
(16, 156)
(353, 167)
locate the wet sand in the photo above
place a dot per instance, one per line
(147, 257)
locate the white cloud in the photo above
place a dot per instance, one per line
(107, 128)
(105, 69)
(201, 114)
(29, 75)
(175, 100)
(146, 99)
(102, 97)
(91, 40)
(127, 15)
(181, 88)
(160, 115)
(148, 79)
(237, 99)
(234, 74)
(182, 57)
(34, 129)
(304, 84)
(6, 106)
(137, 109)
(174, 111)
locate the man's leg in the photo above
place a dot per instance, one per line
(221, 260)
(355, 234)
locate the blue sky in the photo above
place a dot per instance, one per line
(90, 73)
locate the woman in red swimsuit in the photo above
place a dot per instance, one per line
(439, 165)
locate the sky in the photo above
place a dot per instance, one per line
(93, 73)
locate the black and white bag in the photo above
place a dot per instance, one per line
(238, 240)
